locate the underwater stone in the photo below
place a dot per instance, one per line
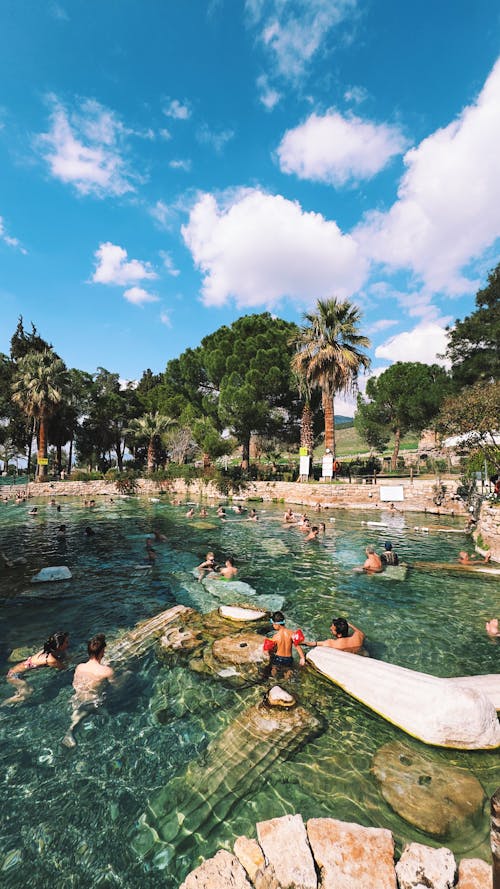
(350, 856)
(243, 649)
(278, 697)
(421, 867)
(435, 797)
(284, 843)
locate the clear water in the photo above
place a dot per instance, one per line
(77, 816)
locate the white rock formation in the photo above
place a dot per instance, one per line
(284, 843)
(421, 867)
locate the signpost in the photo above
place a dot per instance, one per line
(327, 466)
(304, 464)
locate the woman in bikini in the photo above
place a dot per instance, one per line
(51, 655)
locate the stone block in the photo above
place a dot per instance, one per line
(474, 873)
(284, 843)
(350, 856)
(421, 867)
(250, 856)
(223, 871)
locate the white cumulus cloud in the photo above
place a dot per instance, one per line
(260, 248)
(85, 149)
(139, 297)
(114, 267)
(424, 343)
(8, 239)
(177, 110)
(447, 211)
(336, 149)
(294, 31)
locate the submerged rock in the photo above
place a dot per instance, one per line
(278, 697)
(232, 768)
(437, 798)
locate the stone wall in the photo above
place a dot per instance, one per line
(330, 854)
(418, 494)
(489, 528)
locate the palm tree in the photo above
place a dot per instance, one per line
(150, 428)
(40, 385)
(330, 354)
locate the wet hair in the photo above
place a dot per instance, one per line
(314, 528)
(278, 617)
(230, 560)
(54, 643)
(341, 626)
(388, 545)
(369, 550)
(96, 645)
(88, 531)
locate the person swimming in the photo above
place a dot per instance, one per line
(492, 627)
(88, 683)
(51, 655)
(281, 645)
(229, 570)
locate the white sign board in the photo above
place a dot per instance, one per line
(304, 466)
(327, 468)
(392, 492)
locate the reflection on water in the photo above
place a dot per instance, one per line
(79, 815)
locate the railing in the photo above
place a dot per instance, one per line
(14, 479)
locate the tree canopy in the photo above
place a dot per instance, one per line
(474, 342)
(407, 396)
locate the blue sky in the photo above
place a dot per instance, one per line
(168, 166)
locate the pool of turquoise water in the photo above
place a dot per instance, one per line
(74, 815)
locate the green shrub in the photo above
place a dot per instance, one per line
(81, 475)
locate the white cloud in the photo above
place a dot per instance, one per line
(217, 139)
(165, 134)
(9, 240)
(447, 212)
(165, 319)
(140, 297)
(267, 94)
(180, 164)
(293, 31)
(177, 110)
(85, 149)
(424, 343)
(260, 248)
(169, 264)
(113, 266)
(161, 212)
(336, 149)
(382, 324)
(356, 94)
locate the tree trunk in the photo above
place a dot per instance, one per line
(306, 429)
(397, 440)
(119, 455)
(206, 461)
(42, 449)
(245, 453)
(329, 415)
(30, 445)
(151, 455)
(70, 455)
(59, 458)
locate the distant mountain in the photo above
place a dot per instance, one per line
(343, 421)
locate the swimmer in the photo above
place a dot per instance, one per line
(203, 512)
(221, 512)
(492, 627)
(88, 683)
(33, 510)
(341, 639)
(207, 566)
(322, 528)
(150, 550)
(389, 556)
(466, 559)
(190, 513)
(289, 517)
(252, 516)
(61, 531)
(12, 563)
(88, 532)
(159, 537)
(228, 571)
(313, 533)
(238, 509)
(373, 563)
(51, 655)
(281, 655)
